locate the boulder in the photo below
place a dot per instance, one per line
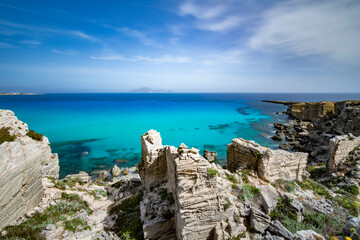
(278, 229)
(340, 147)
(259, 221)
(269, 164)
(115, 171)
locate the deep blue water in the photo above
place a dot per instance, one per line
(109, 126)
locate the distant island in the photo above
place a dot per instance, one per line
(18, 93)
(150, 90)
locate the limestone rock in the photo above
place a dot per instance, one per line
(278, 229)
(23, 163)
(269, 164)
(203, 206)
(340, 147)
(259, 221)
(210, 156)
(308, 235)
(115, 171)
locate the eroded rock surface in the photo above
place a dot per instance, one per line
(23, 163)
(269, 164)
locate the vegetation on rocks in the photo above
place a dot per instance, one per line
(248, 192)
(165, 195)
(34, 135)
(128, 224)
(62, 212)
(319, 222)
(212, 172)
(5, 135)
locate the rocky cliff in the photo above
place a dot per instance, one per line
(24, 161)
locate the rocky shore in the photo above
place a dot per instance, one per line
(309, 192)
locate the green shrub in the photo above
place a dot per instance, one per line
(248, 192)
(212, 172)
(283, 210)
(316, 187)
(124, 172)
(232, 179)
(128, 221)
(5, 135)
(37, 222)
(165, 195)
(34, 135)
(73, 224)
(351, 189)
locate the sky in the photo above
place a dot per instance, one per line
(78, 46)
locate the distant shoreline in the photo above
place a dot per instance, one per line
(15, 94)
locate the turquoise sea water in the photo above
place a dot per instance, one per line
(91, 132)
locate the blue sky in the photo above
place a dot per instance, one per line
(183, 46)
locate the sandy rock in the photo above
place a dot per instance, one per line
(259, 221)
(340, 147)
(269, 164)
(23, 163)
(115, 171)
(308, 235)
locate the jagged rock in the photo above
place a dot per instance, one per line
(269, 197)
(82, 176)
(277, 228)
(269, 164)
(210, 156)
(203, 207)
(259, 221)
(115, 171)
(276, 138)
(340, 147)
(269, 236)
(308, 235)
(23, 163)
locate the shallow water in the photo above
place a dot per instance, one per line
(91, 132)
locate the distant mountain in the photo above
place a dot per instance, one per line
(150, 90)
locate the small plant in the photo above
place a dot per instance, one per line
(248, 192)
(283, 210)
(5, 135)
(165, 195)
(257, 155)
(227, 204)
(34, 135)
(232, 179)
(212, 172)
(75, 223)
(124, 172)
(128, 221)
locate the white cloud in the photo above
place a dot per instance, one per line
(65, 52)
(31, 28)
(327, 28)
(31, 42)
(161, 59)
(221, 25)
(212, 16)
(201, 12)
(5, 45)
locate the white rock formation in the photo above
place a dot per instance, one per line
(269, 164)
(204, 207)
(340, 147)
(23, 163)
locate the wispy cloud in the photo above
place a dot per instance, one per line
(326, 28)
(160, 59)
(141, 36)
(74, 33)
(65, 52)
(31, 42)
(211, 16)
(201, 12)
(6, 45)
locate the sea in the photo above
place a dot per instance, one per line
(94, 131)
